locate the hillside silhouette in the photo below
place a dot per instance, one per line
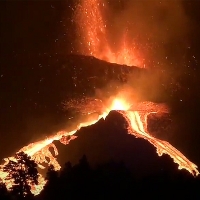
(110, 180)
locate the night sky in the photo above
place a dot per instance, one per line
(36, 39)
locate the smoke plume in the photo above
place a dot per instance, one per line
(157, 29)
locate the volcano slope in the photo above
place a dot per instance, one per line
(107, 142)
(45, 90)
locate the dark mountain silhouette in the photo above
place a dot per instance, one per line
(109, 140)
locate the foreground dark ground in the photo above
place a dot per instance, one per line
(113, 180)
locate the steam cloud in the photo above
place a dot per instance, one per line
(158, 30)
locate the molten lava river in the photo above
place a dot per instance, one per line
(39, 151)
(93, 33)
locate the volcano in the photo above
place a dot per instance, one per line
(90, 96)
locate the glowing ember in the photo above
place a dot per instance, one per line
(39, 151)
(93, 33)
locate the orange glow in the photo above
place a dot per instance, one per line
(119, 104)
(136, 128)
(93, 32)
(39, 151)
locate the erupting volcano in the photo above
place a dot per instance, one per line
(92, 30)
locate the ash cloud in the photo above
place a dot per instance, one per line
(158, 31)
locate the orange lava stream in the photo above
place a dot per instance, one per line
(93, 33)
(39, 151)
(136, 128)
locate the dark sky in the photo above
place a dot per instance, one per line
(29, 30)
(35, 37)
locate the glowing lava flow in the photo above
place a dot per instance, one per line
(39, 151)
(136, 128)
(93, 32)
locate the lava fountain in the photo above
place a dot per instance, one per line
(92, 29)
(93, 32)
